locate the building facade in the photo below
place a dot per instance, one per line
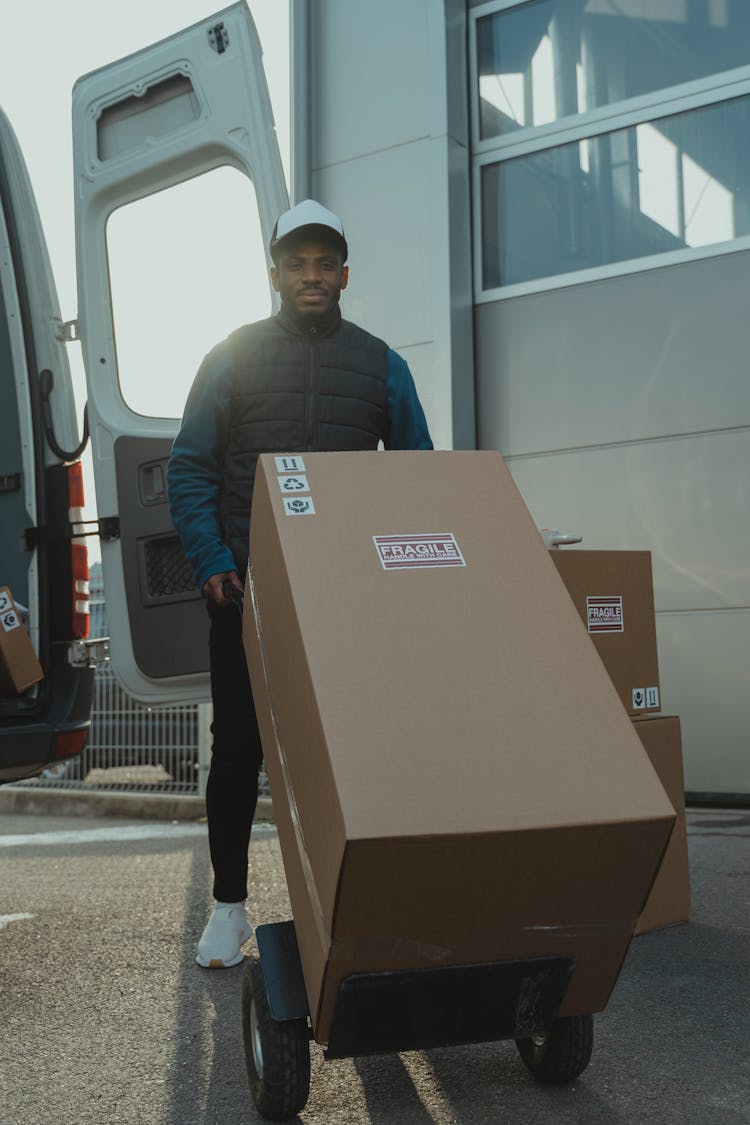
(548, 207)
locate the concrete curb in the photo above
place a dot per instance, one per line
(32, 799)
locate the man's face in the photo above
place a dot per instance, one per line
(310, 276)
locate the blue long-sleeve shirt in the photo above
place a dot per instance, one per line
(195, 473)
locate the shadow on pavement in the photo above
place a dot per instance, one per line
(389, 1092)
(670, 1048)
(208, 1081)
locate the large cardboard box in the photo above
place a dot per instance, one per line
(669, 901)
(454, 778)
(613, 592)
(19, 667)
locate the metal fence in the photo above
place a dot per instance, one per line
(132, 747)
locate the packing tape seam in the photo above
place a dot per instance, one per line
(618, 928)
(378, 946)
(307, 870)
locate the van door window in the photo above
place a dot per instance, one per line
(187, 266)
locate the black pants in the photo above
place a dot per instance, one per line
(232, 788)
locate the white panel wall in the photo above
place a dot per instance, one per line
(389, 154)
(623, 408)
(396, 182)
(660, 352)
(372, 76)
(703, 662)
(684, 499)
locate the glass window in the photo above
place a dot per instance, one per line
(675, 182)
(187, 266)
(548, 59)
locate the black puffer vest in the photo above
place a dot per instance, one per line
(322, 387)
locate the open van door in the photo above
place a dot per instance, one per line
(178, 182)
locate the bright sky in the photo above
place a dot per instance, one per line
(43, 52)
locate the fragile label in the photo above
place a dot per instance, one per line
(639, 698)
(604, 614)
(291, 485)
(405, 552)
(290, 464)
(299, 506)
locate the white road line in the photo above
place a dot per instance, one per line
(114, 835)
(118, 835)
(6, 919)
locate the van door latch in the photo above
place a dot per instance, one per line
(88, 653)
(106, 527)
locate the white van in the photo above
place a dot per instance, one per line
(41, 489)
(148, 129)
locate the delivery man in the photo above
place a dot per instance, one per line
(304, 379)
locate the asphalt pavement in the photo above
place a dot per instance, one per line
(105, 1017)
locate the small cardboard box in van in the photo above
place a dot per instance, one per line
(455, 780)
(19, 667)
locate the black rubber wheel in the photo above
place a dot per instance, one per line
(561, 1055)
(277, 1054)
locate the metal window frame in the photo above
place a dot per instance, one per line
(666, 102)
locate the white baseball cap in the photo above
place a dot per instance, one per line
(306, 214)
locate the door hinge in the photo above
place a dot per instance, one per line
(106, 527)
(218, 38)
(67, 331)
(10, 482)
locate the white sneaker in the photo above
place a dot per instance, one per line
(227, 929)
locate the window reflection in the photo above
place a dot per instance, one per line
(543, 83)
(709, 210)
(658, 185)
(547, 59)
(677, 182)
(187, 266)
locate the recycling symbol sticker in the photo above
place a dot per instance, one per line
(299, 506)
(291, 485)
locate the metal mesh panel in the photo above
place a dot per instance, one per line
(167, 570)
(132, 747)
